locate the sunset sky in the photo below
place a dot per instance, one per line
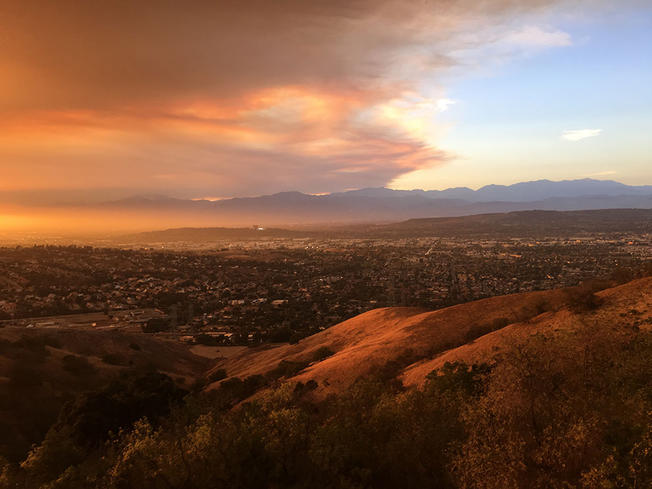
(103, 100)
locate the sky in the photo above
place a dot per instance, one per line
(104, 100)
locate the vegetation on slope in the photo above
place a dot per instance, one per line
(419, 340)
(568, 410)
(42, 370)
(565, 402)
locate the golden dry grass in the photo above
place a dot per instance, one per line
(627, 304)
(472, 332)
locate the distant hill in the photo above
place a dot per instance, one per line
(514, 224)
(525, 223)
(414, 342)
(383, 205)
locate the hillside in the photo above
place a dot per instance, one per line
(40, 370)
(527, 223)
(414, 342)
(557, 395)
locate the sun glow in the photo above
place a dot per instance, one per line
(12, 222)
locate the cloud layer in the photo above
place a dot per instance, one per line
(234, 97)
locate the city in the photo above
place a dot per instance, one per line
(249, 292)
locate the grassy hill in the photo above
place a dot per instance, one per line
(414, 342)
(537, 390)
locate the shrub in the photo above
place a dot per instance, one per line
(301, 388)
(93, 416)
(113, 359)
(583, 298)
(562, 411)
(77, 365)
(322, 353)
(280, 335)
(217, 375)
(237, 390)
(477, 330)
(296, 338)
(207, 340)
(287, 368)
(457, 376)
(156, 325)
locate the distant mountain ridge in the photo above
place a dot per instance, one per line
(519, 192)
(377, 205)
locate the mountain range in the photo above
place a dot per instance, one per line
(386, 205)
(518, 192)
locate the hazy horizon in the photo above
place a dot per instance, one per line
(215, 100)
(68, 217)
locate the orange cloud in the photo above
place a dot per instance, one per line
(298, 135)
(224, 98)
